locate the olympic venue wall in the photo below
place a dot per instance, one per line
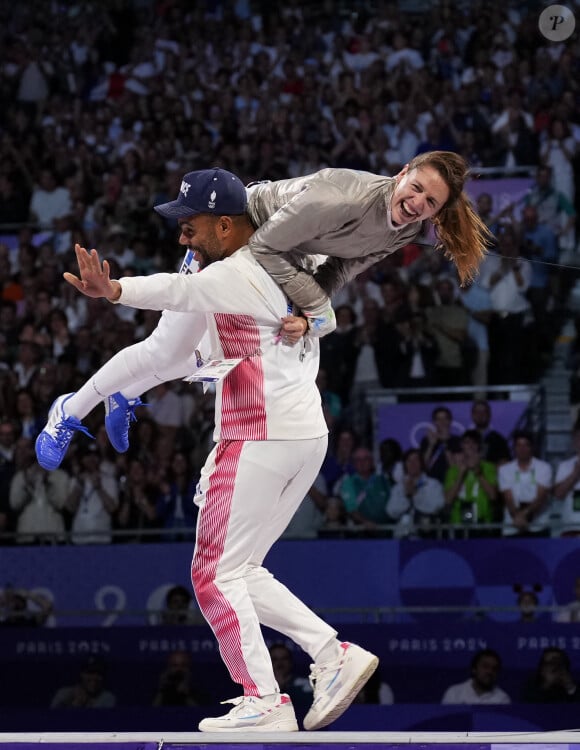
(101, 595)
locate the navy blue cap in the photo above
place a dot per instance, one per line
(207, 191)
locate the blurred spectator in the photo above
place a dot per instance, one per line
(567, 488)
(30, 422)
(554, 209)
(570, 612)
(13, 205)
(137, 511)
(178, 609)
(49, 201)
(417, 499)
(116, 248)
(331, 401)
(335, 523)
(525, 484)
(175, 507)
(439, 441)
(392, 298)
(540, 245)
(38, 498)
(338, 353)
(373, 354)
(175, 687)
(27, 362)
(355, 292)
(527, 603)
(416, 349)
(309, 516)
(476, 299)
(447, 321)
(7, 469)
(23, 608)
(481, 688)
(558, 152)
(61, 339)
(365, 494)
(495, 447)
(89, 691)
(145, 439)
(93, 499)
(484, 205)
(471, 490)
(508, 278)
(573, 364)
(339, 459)
(375, 691)
(298, 688)
(390, 457)
(515, 143)
(86, 354)
(553, 681)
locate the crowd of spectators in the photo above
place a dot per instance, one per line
(103, 107)
(454, 484)
(181, 683)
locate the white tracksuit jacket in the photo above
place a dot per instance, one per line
(272, 394)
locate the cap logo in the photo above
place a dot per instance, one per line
(212, 198)
(184, 187)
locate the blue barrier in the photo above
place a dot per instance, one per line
(418, 661)
(115, 585)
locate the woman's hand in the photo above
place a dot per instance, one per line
(293, 328)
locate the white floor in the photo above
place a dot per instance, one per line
(563, 740)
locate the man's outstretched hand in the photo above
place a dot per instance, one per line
(94, 278)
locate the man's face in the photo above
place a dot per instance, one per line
(413, 465)
(446, 292)
(281, 661)
(178, 602)
(363, 462)
(442, 421)
(199, 232)
(507, 244)
(179, 662)
(523, 449)
(480, 415)
(7, 435)
(419, 194)
(484, 204)
(543, 178)
(470, 449)
(92, 682)
(486, 671)
(530, 217)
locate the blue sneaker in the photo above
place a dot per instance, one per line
(52, 443)
(119, 413)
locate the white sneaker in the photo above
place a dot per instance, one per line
(52, 443)
(253, 714)
(337, 683)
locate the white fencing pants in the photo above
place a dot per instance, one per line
(248, 492)
(168, 353)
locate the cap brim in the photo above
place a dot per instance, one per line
(174, 210)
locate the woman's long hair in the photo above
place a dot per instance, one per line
(461, 233)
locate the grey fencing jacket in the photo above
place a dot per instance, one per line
(340, 213)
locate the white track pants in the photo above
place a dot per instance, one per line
(247, 494)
